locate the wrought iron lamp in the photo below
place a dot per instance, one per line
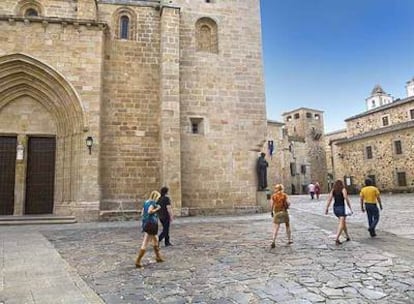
(89, 143)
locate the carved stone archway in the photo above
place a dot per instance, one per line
(24, 76)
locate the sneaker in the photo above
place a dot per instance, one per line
(273, 245)
(168, 244)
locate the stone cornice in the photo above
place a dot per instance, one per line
(376, 132)
(53, 20)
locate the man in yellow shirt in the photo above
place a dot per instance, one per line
(370, 197)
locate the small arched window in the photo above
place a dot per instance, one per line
(125, 23)
(124, 27)
(206, 35)
(29, 8)
(31, 12)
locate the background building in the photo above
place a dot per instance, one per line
(299, 155)
(378, 143)
(168, 93)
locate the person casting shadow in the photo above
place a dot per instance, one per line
(150, 227)
(280, 206)
(165, 215)
(340, 195)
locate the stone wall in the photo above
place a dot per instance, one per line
(385, 163)
(163, 106)
(131, 152)
(367, 130)
(398, 112)
(225, 91)
(50, 8)
(58, 64)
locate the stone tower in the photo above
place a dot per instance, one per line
(305, 129)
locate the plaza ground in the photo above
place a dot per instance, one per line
(216, 260)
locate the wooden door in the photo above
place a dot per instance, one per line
(40, 177)
(7, 173)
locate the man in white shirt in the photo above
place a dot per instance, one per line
(311, 189)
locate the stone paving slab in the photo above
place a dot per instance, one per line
(33, 272)
(228, 260)
(216, 260)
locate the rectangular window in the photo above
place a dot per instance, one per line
(303, 169)
(398, 148)
(385, 121)
(369, 152)
(292, 169)
(317, 116)
(402, 180)
(308, 115)
(296, 116)
(197, 125)
(412, 113)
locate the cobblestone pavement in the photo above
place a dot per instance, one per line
(229, 260)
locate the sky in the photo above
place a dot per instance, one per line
(329, 54)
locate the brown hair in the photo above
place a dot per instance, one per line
(338, 186)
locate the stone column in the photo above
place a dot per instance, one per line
(170, 103)
(20, 177)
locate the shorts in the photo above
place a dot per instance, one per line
(339, 211)
(281, 217)
(151, 228)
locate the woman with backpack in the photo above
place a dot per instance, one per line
(150, 228)
(280, 206)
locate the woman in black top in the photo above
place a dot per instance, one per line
(165, 215)
(340, 196)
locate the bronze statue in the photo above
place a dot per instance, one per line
(261, 169)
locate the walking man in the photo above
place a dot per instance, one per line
(370, 197)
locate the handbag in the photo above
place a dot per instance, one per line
(150, 227)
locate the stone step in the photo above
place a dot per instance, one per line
(118, 215)
(36, 219)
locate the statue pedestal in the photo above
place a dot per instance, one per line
(262, 201)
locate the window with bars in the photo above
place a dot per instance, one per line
(368, 151)
(398, 147)
(401, 178)
(385, 121)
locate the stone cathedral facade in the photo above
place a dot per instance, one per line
(103, 101)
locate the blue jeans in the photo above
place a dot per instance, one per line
(372, 214)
